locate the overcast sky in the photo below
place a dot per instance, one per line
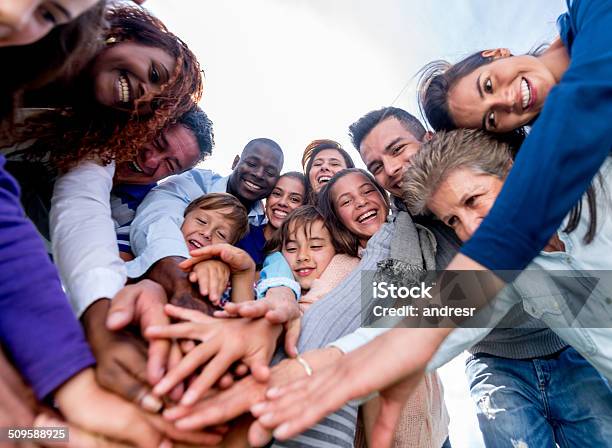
(296, 70)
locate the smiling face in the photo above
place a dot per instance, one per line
(206, 227)
(23, 22)
(359, 205)
(502, 95)
(175, 151)
(464, 199)
(126, 71)
(255, 173)
(308, 250)
(288, 194)
(386, 151)
(325, 164)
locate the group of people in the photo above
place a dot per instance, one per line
(227, 311)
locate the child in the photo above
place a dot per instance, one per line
(316, 256)
(212, 219)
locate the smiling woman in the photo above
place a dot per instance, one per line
(23, 22)
(321, 160)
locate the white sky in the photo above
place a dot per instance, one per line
(296, 70)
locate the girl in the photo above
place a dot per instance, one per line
(321, 160)
(353, 203)
(288, 194)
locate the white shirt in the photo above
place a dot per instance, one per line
(83, 238)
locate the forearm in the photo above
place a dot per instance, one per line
(242, 287)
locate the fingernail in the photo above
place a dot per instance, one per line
(295, 350)
(266, 419)
(281, 431)
(273, 392)
(160, 388)
(258, 408)
(189, 398)
(116, 318)
(165, 444)
(151, 403)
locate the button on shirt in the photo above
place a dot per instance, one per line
(156, 230)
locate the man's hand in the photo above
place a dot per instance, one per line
(176, 283)
(121, 358)
(225, 342)
(278, 307)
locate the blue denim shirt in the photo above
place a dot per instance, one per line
(564, 150)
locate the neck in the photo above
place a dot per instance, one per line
(556, 59)
(268, 231)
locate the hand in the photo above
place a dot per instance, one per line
(110, 416)
(17, 402)
(379, 365)
(176, 283)
(226, 405)
(278, 307)
(212, 276)
(121, 357)
(224, 343)
(238, 260)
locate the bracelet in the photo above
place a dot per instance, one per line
(304, 364)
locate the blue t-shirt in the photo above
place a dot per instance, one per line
(253, 243)
(564, 150)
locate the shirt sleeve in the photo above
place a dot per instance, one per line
(37, 327)
(568, 143)
(155, 232)
(276, 272)
(83, 235)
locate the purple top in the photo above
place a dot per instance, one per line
(37, 327)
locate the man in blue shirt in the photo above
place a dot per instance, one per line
(156, 236)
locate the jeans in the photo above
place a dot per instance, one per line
(539, 402)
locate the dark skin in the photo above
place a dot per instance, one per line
(255, 174)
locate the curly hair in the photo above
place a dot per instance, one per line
(90, 131)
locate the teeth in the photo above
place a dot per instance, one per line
(136, 167)
(323, 179)
(525, 93)
(252, 186)
(366, 215)
(280, 214)
(124, 89)
(195, 243)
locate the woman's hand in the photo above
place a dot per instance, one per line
(384, 364)
(224, 342)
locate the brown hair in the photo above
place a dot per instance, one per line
(62, 53)
(87, 130)
(349, 240)
(302, 217)
(219, 201)
(310, 153)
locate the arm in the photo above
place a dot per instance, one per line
(37, 326)
(83, 235)
(276, 272)
(571, 139)
(155, 233)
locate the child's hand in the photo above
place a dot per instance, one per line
(212, 277)
(238, 261)
(225, 341)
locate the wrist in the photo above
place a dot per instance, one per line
(70, 394)
(94, 316)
